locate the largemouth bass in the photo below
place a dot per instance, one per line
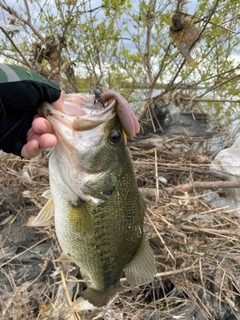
(98, 210)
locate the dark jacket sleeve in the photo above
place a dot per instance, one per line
(21, 93)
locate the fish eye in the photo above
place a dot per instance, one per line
(115, 136)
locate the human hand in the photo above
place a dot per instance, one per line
(41, 134)
(21, 93)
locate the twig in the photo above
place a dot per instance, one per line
(16, 48)
(156, 175)
(151, 192)
(224, 28)
(67, 293)
(209, 100)
(19, 17)
(160, 237)
(172, 272)
(214, 87)
(28, 12)
(12, 57)
(28, 249)
(65, 288)
(222, 233)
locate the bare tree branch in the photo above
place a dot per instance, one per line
(18, 16)
(28, 12)
(214, 87)
(27, 63)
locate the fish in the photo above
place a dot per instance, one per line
(98, 210)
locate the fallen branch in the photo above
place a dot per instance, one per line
(223, 233)
(170, 273)
(147, 143)
(28, 249)
(152, 192)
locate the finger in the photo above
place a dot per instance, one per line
(34, 146)
(41, 125)
(59, 104)
(31, 149)
(47, 140)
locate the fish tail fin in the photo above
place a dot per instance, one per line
(141, 269)
(100, 298)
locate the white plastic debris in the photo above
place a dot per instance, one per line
(226, 165)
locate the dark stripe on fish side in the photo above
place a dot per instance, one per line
(120, 235)
(104, 239)
(111, 267)
(98, 244)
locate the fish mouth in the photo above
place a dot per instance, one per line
(80, 112)
(84, 112)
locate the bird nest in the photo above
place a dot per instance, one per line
(196, 245)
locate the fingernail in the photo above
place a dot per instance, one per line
(43, 127)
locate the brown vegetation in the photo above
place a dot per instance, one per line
(196, 245)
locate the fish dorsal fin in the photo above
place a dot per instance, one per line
(141, 269)
(45, 214)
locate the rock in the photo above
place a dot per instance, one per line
(193, 125)
(187, 124)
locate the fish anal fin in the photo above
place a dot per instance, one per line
(45, 214)
(63, 258)
(141, 269)
(101, 298)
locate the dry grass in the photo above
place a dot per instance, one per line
(197, 246)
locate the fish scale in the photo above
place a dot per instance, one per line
(98, 210)
(111, 230)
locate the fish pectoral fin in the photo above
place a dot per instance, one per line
(45, 214)
(42, 224)
(86, 221)
(141, 269)
(63, 258)
(47, 194)
(81, 219)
